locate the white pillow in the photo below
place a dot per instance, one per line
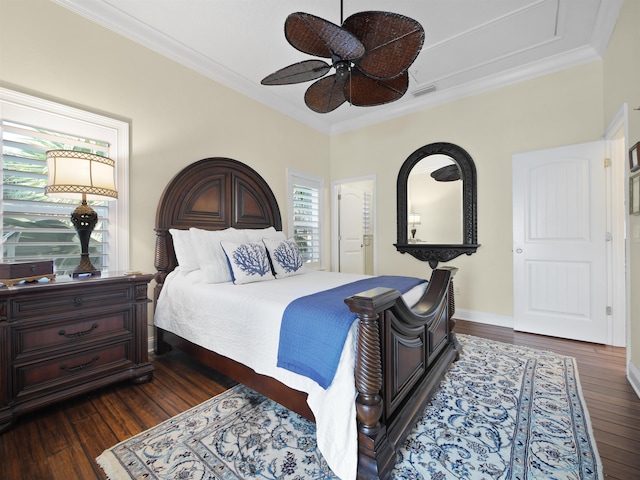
(185, 253)
(248, 261)
(259, 234)
(285, 257)
(211, 257)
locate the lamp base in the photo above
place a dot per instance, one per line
(85, 268)
(84, 218)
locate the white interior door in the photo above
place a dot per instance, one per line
(559, 250)
(351, 230)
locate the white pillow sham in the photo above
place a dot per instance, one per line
(259, 234)
(285, 257)
(184, 250)
(211, 256)
(248, 262)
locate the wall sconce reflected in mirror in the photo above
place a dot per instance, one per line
(414, 219)
(75, 174)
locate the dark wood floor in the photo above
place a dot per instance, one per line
(61, 442)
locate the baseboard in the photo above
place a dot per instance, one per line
(633, 375)
(483, 317)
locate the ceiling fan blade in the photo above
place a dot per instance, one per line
(297, 73)
(318, 37)
(326, 94)
(364, 91)
(448, 173)
(392, 42)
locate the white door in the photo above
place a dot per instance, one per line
(351, 234)
(559, 250)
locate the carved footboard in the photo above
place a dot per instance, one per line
(402, 355)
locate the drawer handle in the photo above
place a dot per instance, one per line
(78, 300)
(63, 333)
(79, 367)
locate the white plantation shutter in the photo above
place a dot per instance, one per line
(34, 226)
(305, 215)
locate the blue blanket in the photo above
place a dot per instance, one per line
(314, 328)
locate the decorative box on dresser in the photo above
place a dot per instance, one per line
(68, 336)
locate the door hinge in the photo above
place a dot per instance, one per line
(607, 162)
(608, 237)
(609, 311)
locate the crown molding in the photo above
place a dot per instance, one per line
(121, 23)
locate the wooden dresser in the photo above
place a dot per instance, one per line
(69, 336)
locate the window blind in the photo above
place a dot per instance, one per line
(34, 226)
(306, 221)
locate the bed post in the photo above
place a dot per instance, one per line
(376, 456)
(161, 262)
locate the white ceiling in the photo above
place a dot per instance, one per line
(470, 45)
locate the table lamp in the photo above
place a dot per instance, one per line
(414, 219)
(73, 174)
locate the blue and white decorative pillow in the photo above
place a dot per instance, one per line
(248, 262)
(285, 257)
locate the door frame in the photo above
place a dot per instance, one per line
(335, 190)
(615, 138)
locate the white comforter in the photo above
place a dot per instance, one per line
(242, 322)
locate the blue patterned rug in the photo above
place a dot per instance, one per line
(502, 412)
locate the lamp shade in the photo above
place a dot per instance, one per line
(72, 173)
(414, 218)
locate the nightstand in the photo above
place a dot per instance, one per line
(69, 336)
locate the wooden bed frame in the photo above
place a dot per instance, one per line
(402, 353)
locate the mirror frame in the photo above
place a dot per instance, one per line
(435, 253)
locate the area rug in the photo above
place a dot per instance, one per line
(501, 412)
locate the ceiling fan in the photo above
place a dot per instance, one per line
(371, 53)
(448, 173)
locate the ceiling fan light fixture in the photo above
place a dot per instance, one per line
(371, 54)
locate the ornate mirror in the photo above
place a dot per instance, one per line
(437, 212)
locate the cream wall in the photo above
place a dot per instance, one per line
(177, 116)
(622, 85)
(554, 110)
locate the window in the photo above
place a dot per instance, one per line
(37, 227)
(305, 214)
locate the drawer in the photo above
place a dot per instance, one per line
(74, 368)
(68, 302)
(68, 332)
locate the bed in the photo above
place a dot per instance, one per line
(395, 354)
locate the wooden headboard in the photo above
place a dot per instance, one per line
(213, 194)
